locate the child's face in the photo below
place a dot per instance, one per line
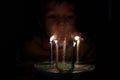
(60, 18)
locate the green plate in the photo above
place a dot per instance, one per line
(48, 67)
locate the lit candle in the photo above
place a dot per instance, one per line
(73, 54)
(56, 42)
(64, 49)
(77, 38)
(51, 51)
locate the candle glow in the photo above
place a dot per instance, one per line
(77, 38)
(52, 38)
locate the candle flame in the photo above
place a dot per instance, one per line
(56, 41)
(51, 38)
(74, 43)
(77, 38)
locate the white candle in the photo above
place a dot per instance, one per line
(56, 42)
(64, 49)
(78, 42)
(51, 55)
(51, 51)
(77, 38)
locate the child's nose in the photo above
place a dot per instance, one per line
(62, 20)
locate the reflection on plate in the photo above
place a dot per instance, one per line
(83, 68)
(47, 67)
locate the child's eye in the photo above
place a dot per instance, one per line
(70, 17)
(52, 17)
